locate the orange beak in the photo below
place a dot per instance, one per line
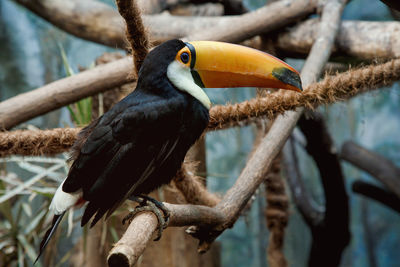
(219, 65)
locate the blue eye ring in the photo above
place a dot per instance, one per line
(185, 57)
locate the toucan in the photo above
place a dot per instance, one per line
(141, 142)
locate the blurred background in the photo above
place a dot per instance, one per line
(31, 55)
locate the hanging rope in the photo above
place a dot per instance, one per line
(135, 32)
(331, 89)
(277, 214)
(193, 190)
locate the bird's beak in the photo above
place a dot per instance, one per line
(220, 65)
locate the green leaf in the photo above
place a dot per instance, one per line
(21, 258)
(114, 234)
(27, 208)
(5, 207)
(68, 70)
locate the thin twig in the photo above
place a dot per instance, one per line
(378, 166)
(312, 213)
(379, 194)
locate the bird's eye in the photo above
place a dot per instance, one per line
(185, 57)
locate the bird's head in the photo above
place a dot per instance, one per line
(192, 66)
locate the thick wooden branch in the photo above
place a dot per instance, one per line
(63, 92)
(139, 233)
(363, 40)
(97, 22)
(254, 23)
(378, 166)
(384, 196)
(90, 19)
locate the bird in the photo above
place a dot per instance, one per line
(140, 143)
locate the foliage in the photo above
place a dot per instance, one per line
(81, 111)
(22, 221)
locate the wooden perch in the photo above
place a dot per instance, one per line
(133, 243)
(384, 196)
(378, 166)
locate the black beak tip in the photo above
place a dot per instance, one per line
(288, 76)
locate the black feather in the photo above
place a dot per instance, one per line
(49, 234)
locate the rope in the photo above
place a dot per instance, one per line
(277, 214)
(135, 32)
(192, 188)
(331, 89)
(37, 142)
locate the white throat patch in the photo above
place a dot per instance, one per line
(181, 77)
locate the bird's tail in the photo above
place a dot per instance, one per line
(49, 234)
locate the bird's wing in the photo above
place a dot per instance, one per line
(122, 151)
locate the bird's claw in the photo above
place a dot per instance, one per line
(149, 204)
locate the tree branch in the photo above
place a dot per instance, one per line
(138, 234)
(384, 196)
(100, 23)
(312, 213)
(331, 235)
(330, 90)
(378, 166)
(95, 21)
(254, 23)
(65, 91)
(354, 39)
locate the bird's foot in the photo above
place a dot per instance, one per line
(150, 204)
